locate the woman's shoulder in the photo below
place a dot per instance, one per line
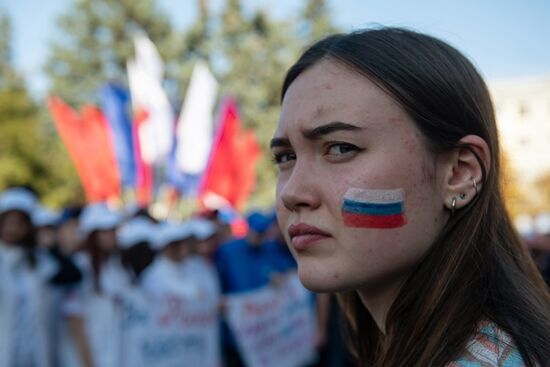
(491, 346)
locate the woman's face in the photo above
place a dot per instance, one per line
(339, 135)
(106, 239)
(15, 227)
(207, 247)
(179, 250)
(69, 237)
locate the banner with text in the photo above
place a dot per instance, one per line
(170, 331)
(274, 326)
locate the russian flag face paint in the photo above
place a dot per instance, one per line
(374, 208)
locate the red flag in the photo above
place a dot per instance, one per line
(88, 142)
(101, 153)
(144, 171)
(247, 152)
(230, 175)
(68, 126)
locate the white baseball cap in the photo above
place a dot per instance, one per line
(42, 217)
(98, 216)
(202, 228)
(168, 232)
(18, 198)
(134, 231)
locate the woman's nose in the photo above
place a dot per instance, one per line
(301, 189)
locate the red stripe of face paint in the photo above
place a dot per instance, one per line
(374, 221)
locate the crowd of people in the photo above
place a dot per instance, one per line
(62, 272)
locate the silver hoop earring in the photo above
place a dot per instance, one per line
(453, 205)
(475, 184)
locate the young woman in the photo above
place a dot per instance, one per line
(94, 310)
(24, 297)
(174, 243)
(136, 254)
(388, 193)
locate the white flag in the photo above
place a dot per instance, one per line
(194, 129)
(156, 132)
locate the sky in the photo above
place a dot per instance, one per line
(506, 39)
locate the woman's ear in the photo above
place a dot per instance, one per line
(464, 171)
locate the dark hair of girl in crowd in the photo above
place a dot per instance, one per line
(477, 269)
(98, 257)
(137, 258)
(28, 243)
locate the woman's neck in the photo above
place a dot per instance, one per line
(378, 300)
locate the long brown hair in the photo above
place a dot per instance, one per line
(477, 269)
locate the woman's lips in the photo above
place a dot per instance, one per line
(304, 236)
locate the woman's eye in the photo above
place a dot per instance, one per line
(341, 148)
(283, 157)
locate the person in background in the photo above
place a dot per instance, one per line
(68, 234)
(245, 264)
(199, 270)
(47, 224)
(64, 282)
(92, 311)
(206, 233)
(173, 243)
(97, 226)
(198, 267)
(23, 292)
(136, 254)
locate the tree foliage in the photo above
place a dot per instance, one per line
(29, 156)
(96, 40)
(249, 53)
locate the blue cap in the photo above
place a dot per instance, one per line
(258, 222)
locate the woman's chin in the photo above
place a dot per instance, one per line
(321, 282)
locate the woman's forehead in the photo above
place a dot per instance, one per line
(330, 91)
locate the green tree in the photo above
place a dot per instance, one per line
(316, 21)
(17, 119)
(96, 41)
(25, 154)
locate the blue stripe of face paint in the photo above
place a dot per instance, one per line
(357, 207)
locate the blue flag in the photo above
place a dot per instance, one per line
(115, 103)
(186, 184)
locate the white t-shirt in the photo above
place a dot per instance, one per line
(101, 312)
(199, 271)
(165, 277)
(23, 311)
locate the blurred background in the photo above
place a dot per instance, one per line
(163, 109)
(71, 49)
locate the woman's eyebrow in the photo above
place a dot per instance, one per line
(279, 142)
(329, 128)
(316, 133)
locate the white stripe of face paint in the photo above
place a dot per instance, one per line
(375, 196)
